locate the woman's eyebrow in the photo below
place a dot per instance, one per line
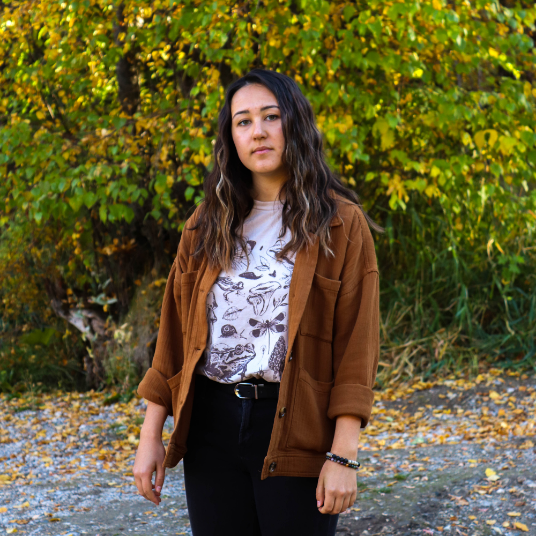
(263, 108)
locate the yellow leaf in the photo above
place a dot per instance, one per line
(490, 472)
(491, 522)
(430, 190)
(493, 53)
(506, 144)
(437, 4)
(480, 137)
(521, 526)
(435, 171)
(494, 395)
(417, 73)
(513, 514)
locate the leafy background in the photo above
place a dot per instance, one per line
(108, 112)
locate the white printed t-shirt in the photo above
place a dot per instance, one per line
(247, 308)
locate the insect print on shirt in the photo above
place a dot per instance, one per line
(267, 326)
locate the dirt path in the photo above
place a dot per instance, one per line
(453, 457)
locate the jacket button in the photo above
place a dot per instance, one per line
(273, 465)
(290, 357)
(282, 411)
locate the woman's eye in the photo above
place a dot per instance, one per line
(271, 115)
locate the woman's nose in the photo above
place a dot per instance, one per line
(258, 129)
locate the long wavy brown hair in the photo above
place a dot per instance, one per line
(309, 204)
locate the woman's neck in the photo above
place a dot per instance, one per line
(267, 191)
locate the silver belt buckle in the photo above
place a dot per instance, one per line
(244, 383)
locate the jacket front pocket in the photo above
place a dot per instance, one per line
(317, 320)
(186, 286)
(310, 427)
(175, 384)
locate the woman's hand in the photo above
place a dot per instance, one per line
(337, 488)
(149, 458)
(151, 453)
(337, 484)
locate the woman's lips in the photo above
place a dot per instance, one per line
(262, 151)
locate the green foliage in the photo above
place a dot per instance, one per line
(108, 113)
(43, 337)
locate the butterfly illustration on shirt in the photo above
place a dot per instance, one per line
(268, 326)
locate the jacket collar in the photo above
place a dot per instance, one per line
(336, 220)
(300, 285)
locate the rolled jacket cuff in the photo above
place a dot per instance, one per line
(154, 387)
(351, 399)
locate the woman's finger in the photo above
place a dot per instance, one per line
(320, 491)
(329, 500)
(345, 502)
(148, 488)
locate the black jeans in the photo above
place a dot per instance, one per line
(227, 443)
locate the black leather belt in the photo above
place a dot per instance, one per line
(254, 388)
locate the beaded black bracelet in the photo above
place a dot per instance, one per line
(353, 464)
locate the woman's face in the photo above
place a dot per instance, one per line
(256, 122)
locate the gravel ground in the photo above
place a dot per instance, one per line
(454, 457)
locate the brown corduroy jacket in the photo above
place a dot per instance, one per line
(333, 345)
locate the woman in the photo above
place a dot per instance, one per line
(271, 317)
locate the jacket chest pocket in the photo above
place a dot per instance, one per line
(310, 427)
(317, 320)
(183, 290)
(175, 384)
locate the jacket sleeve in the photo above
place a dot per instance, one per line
(169, 353)
(356, 341)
